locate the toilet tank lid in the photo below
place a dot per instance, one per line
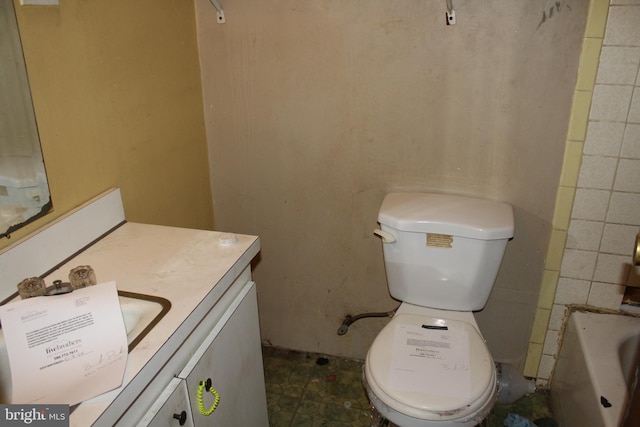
(445, 214)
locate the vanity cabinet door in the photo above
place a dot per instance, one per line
(171, 409)
(231, 358)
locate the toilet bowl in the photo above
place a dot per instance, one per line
(430, 368)
(430, 365)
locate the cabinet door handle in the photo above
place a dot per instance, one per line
(206, 385)
(181, 417)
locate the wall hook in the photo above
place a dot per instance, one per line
(451, 13)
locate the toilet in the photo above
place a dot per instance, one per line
(430, 365)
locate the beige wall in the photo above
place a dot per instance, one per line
(314, 110)
(116, 88)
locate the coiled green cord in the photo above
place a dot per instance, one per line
(216, 399)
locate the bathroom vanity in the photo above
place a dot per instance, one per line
(210, 333)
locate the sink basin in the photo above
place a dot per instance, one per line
(140, 313)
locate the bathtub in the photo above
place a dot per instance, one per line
(595, 372)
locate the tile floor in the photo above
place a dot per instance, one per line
(313, 390)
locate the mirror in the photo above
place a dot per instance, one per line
(24, 191)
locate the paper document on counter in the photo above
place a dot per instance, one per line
(65, 348)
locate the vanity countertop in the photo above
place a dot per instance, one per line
(190, 268)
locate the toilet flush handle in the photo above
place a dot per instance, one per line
(386, 236)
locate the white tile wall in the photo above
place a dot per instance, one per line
(610, 103)
(634, 110)
(597, 172)
(576, 264)
(590, 204)
(584, 235)
(624, 208)
(617, 2)
(612, 269)
(605, 295)
(606, 138)
(572, 291)
(605, 218)
(622, 26)
(558, 312)
(631, 142)
(547, 362)
(551, 343)
(618, 65)
(618, 238)
(628, 176)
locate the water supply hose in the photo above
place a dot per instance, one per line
(349, 319)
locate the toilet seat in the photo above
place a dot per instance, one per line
(454, 383)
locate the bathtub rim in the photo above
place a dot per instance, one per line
(614, 389)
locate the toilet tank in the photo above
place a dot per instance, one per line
(446, 250)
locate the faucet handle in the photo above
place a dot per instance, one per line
(32, 287)
(82, 276)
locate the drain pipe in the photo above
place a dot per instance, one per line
(349, 319)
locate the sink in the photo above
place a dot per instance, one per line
(140, 313)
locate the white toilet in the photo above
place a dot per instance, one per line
(430, 366)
